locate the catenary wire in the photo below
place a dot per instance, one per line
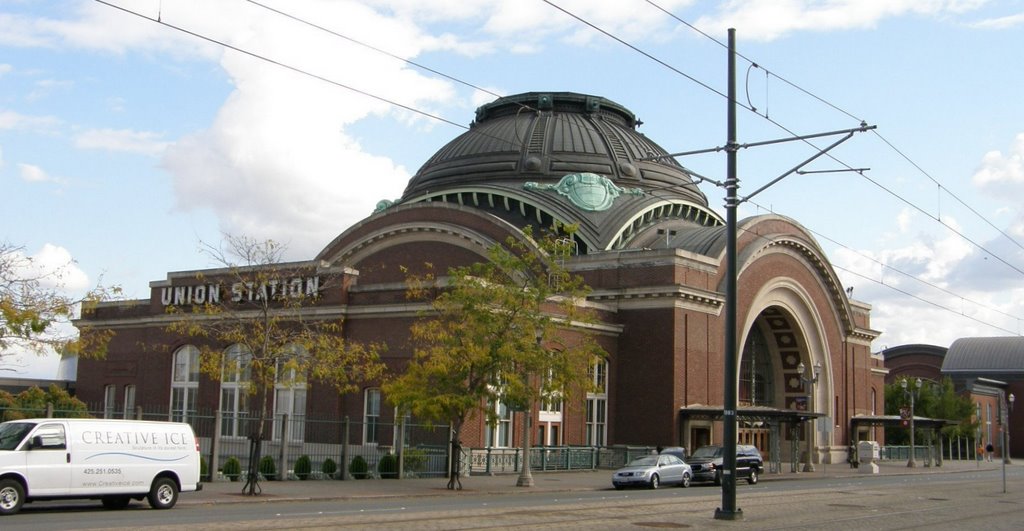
(784, 128)
(890, 268)
(847, 113)
(429, 115)
(295, 69)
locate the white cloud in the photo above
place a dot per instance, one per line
(53, 266)
(5, 69)
(44, 87)
(1003, 175)
(17, 121)
(127, 140)
(1009, 21)
(32, 173)
(277, 161)
(926, 289)
(768, 20)
(89, 25)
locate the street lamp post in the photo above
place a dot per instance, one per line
(1005, 421)
(810, 381)
(912, 392)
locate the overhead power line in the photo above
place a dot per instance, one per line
(295, 69)
(783, 127)
(847, 113)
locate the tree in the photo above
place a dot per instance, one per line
(508, 329)
(32, 403)
(938, 400)
(36, 312)
(267, 333)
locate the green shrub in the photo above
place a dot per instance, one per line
(358, 467)
(303, 467)
(268, 468)
(329, 467)
(414, 460)
(388, 466)
(204, 468)
(232, 468)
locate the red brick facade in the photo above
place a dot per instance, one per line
(661, 308)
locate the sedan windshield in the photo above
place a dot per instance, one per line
(11, 433)
(650, 460)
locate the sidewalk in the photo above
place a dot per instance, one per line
(274, 491)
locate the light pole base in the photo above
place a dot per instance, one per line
(524, 481)
(808, 467)
(728, 515)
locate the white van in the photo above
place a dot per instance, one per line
(110, 460)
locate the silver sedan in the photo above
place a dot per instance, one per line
(653, 471)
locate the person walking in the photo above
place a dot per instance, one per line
(989, 450)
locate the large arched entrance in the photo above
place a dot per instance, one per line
(784, 336)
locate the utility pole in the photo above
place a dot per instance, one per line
(728, 510)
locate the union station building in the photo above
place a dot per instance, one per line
(649, 246)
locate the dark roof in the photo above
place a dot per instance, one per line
(540, 156)
(981, 355)
(545, 135)
(913, 350)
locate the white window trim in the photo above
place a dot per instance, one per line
(188, 387)
(367, 403)
(129, 401)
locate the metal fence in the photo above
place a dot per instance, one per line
(955, 449)
(357, 449)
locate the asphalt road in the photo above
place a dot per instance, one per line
(963, 500)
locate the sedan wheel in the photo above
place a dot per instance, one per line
(686, 480)
(654, 481)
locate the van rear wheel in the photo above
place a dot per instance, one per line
(164, 493)
(12, 496)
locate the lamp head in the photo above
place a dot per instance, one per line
(917, 383)
(817, 369)
(800, 368)
(903, 384)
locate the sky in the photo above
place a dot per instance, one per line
(133, 132)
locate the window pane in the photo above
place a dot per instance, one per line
(129, 401)
(109, 404)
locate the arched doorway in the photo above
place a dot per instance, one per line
(777, 342)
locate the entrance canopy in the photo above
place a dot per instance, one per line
(895, 421)
(750, 414)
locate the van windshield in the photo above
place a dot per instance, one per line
(11, 433)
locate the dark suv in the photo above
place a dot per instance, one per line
(706, 463)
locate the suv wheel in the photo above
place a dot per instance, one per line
(752, 478)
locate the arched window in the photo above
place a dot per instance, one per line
(499, 434)
(234, 383)
(290, 395)
(184, 383)
(597, 404)
(371, 416)
(756, 381)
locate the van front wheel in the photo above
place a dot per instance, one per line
(164, 493)
(12, 496)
